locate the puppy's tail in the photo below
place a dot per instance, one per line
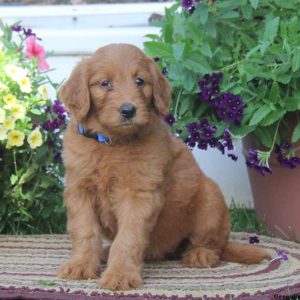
(245, 254)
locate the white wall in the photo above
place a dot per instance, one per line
(73, 31)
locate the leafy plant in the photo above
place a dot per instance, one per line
(234, 66)
(31, 172)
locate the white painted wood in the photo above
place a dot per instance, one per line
(63, 42)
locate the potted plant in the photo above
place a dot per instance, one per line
(31, 124)
(234, 66)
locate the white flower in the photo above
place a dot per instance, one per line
(35, 139)
(15, 73)
(3, 133)
(43, 92)
(2, 115)
(25, 85)
(9, 123)
(18, 111)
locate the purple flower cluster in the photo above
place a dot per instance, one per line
(190, 5)
(253, 239)
(228, 106)
(57, 117)
(27, 32)
(202, 135)
(56, 122)
(287, 161)
(254, 161)
(170, 119)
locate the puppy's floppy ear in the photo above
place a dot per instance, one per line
(75, 93)
(161, 91)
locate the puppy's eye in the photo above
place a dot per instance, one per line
(139, 81)
(106, 84)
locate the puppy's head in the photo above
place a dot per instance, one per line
(119, 88)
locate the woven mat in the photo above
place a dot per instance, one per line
(28, 266)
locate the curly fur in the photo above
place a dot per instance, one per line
(144, 191)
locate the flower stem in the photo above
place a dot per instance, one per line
(15, 161)
(177, 102)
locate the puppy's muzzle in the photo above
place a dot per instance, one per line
(127, 111)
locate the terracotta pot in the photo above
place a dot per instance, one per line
(277, 197)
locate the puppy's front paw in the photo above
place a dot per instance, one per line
(78, 269)
(120, 280)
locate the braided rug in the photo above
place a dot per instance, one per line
(28, 267)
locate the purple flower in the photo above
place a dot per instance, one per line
(210, 86)
(165, 71)
(254, 161)
(230, 107)
(284, 157)
(202, 135)
(253, 239)
(281, 255)
(191, 9)
(28, 32)
(16, 28)
(233, 156)
(187, 3)
(170, 119)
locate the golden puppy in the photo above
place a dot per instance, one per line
(129, 180)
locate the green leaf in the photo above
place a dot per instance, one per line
(162, 50)
(203, 15)
(259, 115)
(252, 51)
(36, 111)
(271, 29)
(296, 134)
(265, 136)
(241, 131)
(272, 117)
(230, 15)
(195, 33)
(178, 50)
(185, 105)
(274, 92)
(13, 179)
(197, 63)
(254, 3)
(247, 11)
(293, 103)
(296, 60)
(206, 50)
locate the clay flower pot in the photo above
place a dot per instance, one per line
(277, 197)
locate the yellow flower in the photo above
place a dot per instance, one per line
(18, 111)
(3, 87)
(9, 123)
(35, 139)
(2, 115)
(8, 145)
(15, 138)
(43, 92)
(14, 72)
(10, 99)
(25, 85)
(3, 133)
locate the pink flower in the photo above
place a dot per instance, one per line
(35, 50)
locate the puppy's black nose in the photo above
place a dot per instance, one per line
(128, 110)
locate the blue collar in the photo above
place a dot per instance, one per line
(97, 136)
